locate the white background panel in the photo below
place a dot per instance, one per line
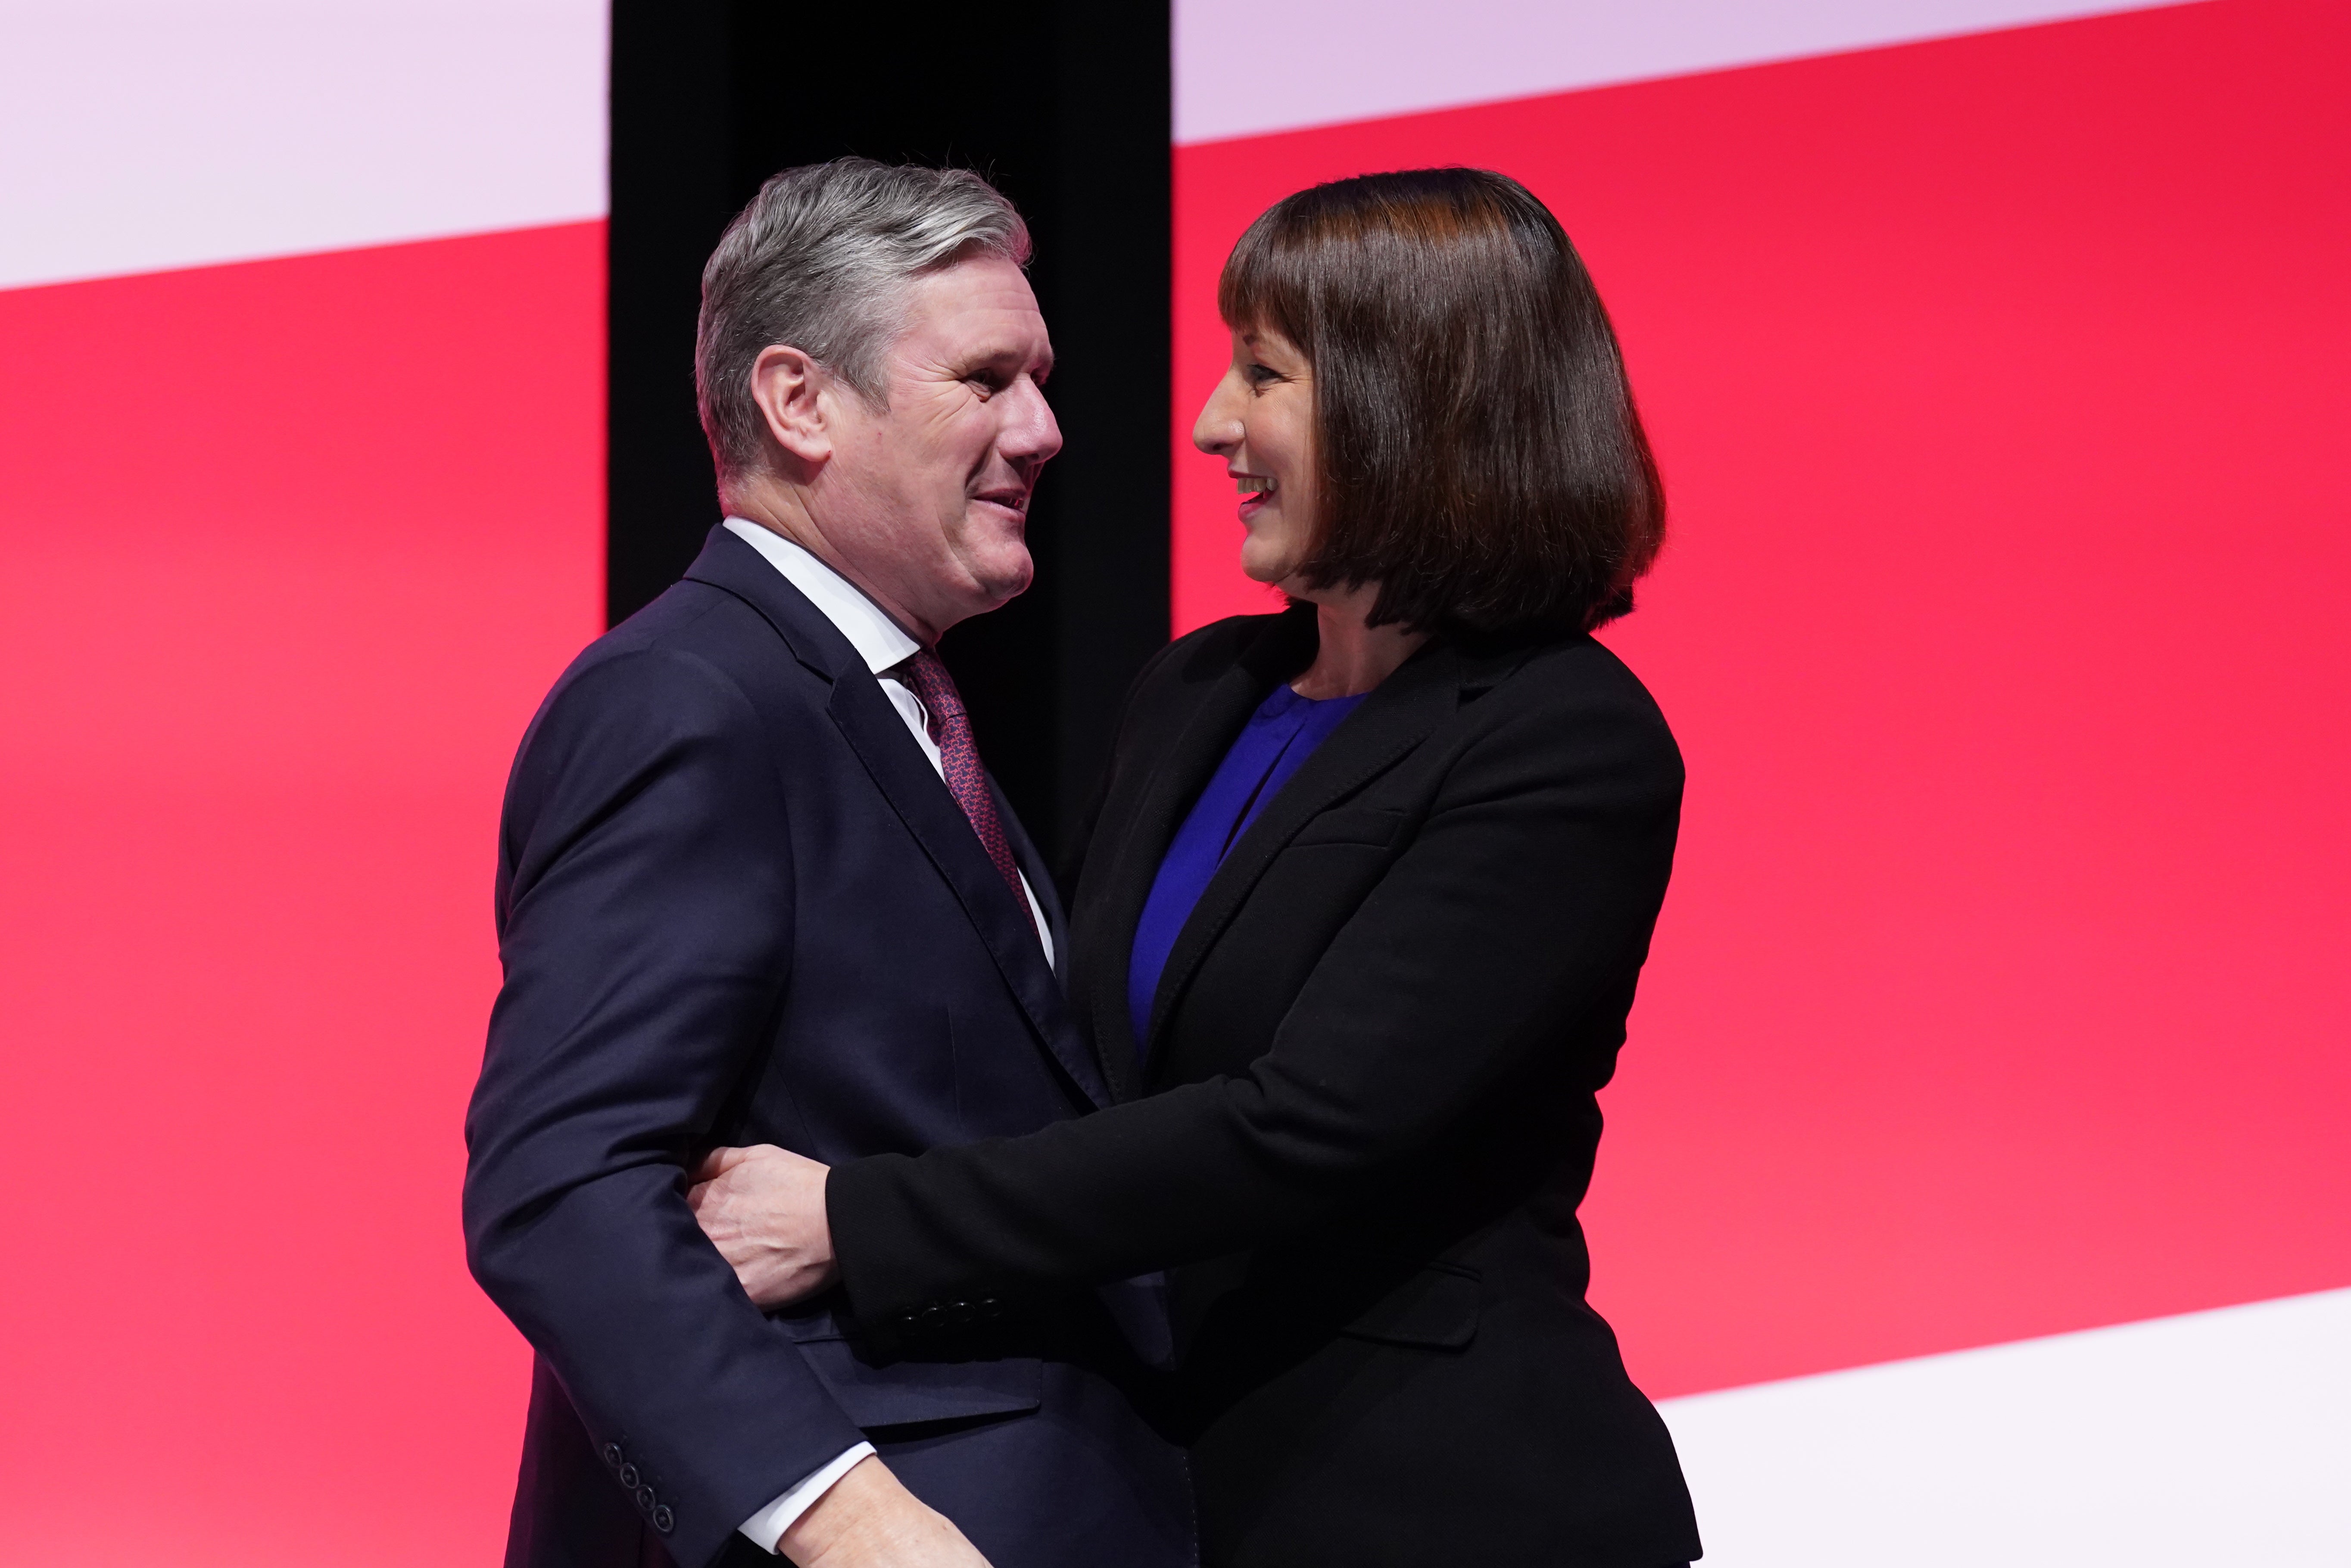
(2204, 1441)
(1247, 67)
(143, 134)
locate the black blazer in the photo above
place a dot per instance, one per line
(1368, 1115)
(737, 905)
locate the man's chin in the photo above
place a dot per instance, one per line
(1002, 590)
(993, 583)
(1001, 567)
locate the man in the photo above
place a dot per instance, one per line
(754, 887)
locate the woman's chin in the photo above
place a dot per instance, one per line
(1266, 566)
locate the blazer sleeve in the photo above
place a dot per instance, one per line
(646, 935)
(1515, 922)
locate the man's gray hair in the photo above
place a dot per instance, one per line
(820, 261)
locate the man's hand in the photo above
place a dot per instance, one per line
(868, 1519)
(763, 1207)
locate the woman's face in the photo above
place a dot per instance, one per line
(1260, 421)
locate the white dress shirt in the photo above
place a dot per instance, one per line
(883, 645)
(879, 641)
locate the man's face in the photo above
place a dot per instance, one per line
(927, 500)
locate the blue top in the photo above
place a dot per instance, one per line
(1275, 743)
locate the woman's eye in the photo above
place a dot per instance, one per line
(1259, 375)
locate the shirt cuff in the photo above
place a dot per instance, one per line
(767, 1526)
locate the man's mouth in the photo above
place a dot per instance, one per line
(1010, 500)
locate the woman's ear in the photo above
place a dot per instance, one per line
(788, 387)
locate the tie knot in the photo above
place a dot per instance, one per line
(926, 674)
(927, 677)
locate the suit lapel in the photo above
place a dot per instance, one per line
(914, 791)
(1040, 882)
(726, 561)
(1171, 785)
(1393, 719)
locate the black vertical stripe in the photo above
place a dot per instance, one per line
(1065, 105)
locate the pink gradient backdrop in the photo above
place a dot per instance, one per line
(1997, 384)
(294, 548)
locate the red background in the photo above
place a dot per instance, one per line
(2000, 388)
(295, 547)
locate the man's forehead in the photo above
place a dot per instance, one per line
(984, 305)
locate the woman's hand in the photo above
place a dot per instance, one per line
(763, 1208)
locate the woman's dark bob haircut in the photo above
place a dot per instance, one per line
(1481, 460)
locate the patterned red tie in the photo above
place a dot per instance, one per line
(959, 759)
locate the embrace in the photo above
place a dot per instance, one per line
(865, 1208)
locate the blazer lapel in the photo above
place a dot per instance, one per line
(1395, 719)
(1170, 787)
(914, 791)
(1040, 882)
(728, 563)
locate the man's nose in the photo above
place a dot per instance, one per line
(1031, 433)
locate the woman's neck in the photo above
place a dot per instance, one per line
(1352, 658)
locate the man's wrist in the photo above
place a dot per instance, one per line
(766, 1528)
(852, 1515)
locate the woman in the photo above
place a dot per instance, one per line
(1358, 924)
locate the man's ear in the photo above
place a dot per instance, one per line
(789, 386)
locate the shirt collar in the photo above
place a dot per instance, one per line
(880, 641)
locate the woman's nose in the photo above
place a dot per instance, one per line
(1218, 428)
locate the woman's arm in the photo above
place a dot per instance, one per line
(1524, 906)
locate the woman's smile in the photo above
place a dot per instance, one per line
(1260, 420)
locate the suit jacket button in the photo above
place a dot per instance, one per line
(663, 1518)
(645, 1499)
(629, 1477)
(611, 1455)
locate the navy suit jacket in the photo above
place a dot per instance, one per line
(737, 905)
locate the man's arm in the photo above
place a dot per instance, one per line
(647, 937)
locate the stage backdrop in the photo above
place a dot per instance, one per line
(302, 328)
(1975, 1184)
